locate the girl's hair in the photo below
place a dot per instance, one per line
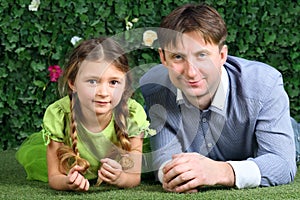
(98, 49)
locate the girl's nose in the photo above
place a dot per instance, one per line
(101, 90)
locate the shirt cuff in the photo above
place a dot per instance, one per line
(244, 179)
(160, 173)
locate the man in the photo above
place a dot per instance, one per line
(220, 120)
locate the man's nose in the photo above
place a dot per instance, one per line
(190, 69)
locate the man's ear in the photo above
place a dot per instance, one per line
(162, 56)
(223, 54)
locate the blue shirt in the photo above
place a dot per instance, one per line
(248, 120)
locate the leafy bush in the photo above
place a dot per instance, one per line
(31, 41)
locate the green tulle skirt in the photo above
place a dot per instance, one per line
(32, 156)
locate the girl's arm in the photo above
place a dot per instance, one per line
(63, 181)
(112, 173)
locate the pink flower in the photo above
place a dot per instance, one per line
(55, 72)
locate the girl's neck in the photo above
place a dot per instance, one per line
(97, 123)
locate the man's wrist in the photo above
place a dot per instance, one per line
(227, 175)
(160, 173)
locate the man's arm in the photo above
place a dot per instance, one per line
(274, 133)
(159, 100)
(167, 125)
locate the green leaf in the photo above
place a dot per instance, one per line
(39, 83)
(37, 66)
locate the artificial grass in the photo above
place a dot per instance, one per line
(13, 185)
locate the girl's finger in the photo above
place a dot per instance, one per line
(112, 163)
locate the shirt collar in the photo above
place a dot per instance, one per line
(219, 99)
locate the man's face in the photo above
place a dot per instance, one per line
(195, 66)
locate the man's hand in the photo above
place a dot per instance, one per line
(188, 171)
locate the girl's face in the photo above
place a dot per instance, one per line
(99, 86)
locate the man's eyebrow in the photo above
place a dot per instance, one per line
(203, 51)
(176, 53)
(173, 53)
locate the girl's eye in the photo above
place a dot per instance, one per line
(92, 82)
(114, 82)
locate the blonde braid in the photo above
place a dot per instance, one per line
(69, 156)
(121, 114)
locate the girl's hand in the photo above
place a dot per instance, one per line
(110, 171)
(76, 180)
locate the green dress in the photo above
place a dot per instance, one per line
(92, 146)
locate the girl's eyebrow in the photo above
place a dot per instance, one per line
(92, 76)
(116, 77)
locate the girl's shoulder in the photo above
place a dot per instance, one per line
(137, 120)
(61, 105)
(57, 112)
(56, 120)
(136, 110)
(133, 104)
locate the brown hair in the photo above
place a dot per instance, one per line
(188, 18)
(103, 49)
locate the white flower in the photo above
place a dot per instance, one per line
(149, 37)
(129, 25)
(135, 20)
(75, 39)
(34, 5)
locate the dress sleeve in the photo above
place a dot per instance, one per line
(56, 122)
(137, 121)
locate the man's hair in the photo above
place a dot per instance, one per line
(201, 18)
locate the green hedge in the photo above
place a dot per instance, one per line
(31, 41)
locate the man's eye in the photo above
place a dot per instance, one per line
(202, 55)
(177, 57)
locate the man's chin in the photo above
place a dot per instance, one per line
(194, 93)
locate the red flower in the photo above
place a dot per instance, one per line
(55, 72)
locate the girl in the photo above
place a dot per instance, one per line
(96, 121)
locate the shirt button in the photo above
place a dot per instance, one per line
(203, 120)
(209, 145)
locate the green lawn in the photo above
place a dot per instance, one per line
(13, 185)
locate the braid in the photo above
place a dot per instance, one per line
(121, 114)
(69, 156)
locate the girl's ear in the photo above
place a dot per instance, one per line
(72, 86)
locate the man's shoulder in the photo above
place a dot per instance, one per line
(245, 67)
(252, 71)
(158, 73)
(252, 78)
(155, 80)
